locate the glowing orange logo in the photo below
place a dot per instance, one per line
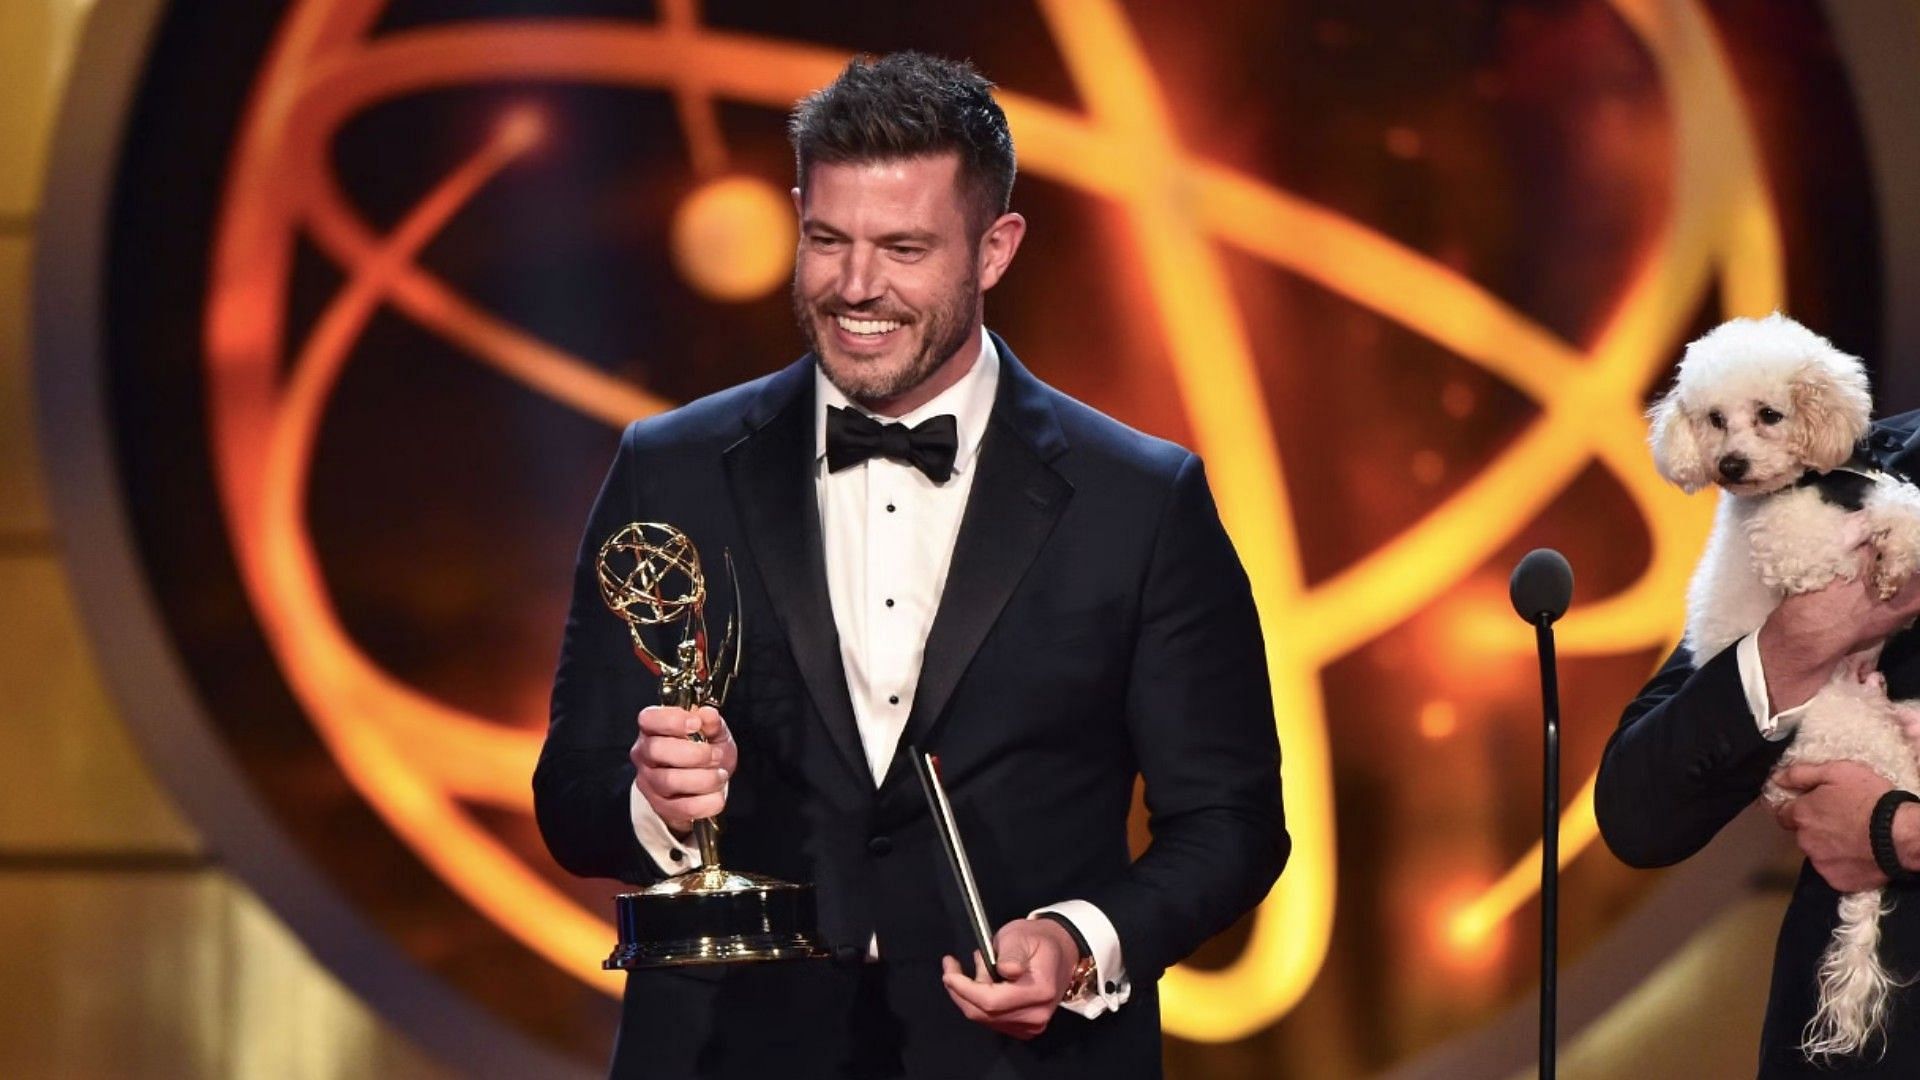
(422, 763)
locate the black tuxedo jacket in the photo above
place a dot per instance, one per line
(1688, 757)
(1096, 628)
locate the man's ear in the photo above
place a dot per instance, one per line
(998, 246)
(1676, 453)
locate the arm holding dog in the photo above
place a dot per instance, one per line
(1687, 757)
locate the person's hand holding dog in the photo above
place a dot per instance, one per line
(1801, 643)
(1811, 633)
(1828, 819)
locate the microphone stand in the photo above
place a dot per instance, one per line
(1541, 588)
(1549, 844)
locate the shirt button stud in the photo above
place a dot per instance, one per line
(880, 845)
(889, 601)
(893, 699)
(889, 508)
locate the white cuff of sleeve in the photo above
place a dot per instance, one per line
(669, 854)
(1753, 678)
(1110, 986)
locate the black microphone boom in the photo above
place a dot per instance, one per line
(1541, 589)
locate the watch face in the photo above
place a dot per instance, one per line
(384, 280)
(1083, 983)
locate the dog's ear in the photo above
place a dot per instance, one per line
(1676, 453)
(1831, 410)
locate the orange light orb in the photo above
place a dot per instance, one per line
(733, 238)
(520, 129)
(1439, 719)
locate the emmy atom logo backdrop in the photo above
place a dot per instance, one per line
(385, 279)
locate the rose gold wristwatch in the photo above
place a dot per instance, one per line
(1081, 984)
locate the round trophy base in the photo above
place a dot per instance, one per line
(714, 916)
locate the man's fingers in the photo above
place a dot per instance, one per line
(1801, 777)
(997, 1000)
(955, 980)
(961, 989)
(667, 720)
(680, 783)
(712, 727)
(666, 751)
(691, 807)
(1020, 1008)
(1786, 817)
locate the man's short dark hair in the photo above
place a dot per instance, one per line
(909, 105)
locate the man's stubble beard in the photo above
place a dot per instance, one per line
(947, 327)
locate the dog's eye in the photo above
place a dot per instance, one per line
(1717, 419)
(1770, 415)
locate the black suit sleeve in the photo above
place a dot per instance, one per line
(1687, 757)
(580, 785)
(1200, 715)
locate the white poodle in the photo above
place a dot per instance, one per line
(1770, 412)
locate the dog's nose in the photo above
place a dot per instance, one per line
(1733, 467)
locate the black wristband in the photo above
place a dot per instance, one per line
(1880, 835)
(1078, 941)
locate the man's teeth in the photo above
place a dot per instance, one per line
(867, 326)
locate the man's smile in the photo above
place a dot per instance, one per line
(868, 328)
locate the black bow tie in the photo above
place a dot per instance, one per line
(929, 446)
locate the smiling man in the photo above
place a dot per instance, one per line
(891, 275)
(935, 550)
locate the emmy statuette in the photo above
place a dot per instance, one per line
(650, 576)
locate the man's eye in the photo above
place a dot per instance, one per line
(1717, 419)
(824, 242)
(906, 252)
(1770, 415)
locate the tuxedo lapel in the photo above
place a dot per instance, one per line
(770, 474)
(1015, 501)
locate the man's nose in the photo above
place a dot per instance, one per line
(860, 277)
(1733, 467)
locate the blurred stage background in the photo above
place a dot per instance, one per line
(319, 320)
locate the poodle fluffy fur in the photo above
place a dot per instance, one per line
(1758, 405)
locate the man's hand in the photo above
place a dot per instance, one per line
(1829, 820)
(1809, 634)
(681, 779)
(1037, 957)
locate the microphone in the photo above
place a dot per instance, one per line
(1541, 588)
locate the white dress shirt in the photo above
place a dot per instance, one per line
(888, 532)
(1753, 679)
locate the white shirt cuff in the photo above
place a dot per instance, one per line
(1753, 678)
(668, 853)
(1110, 986)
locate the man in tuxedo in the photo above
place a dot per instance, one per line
(937, 550)
(1695, 746)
